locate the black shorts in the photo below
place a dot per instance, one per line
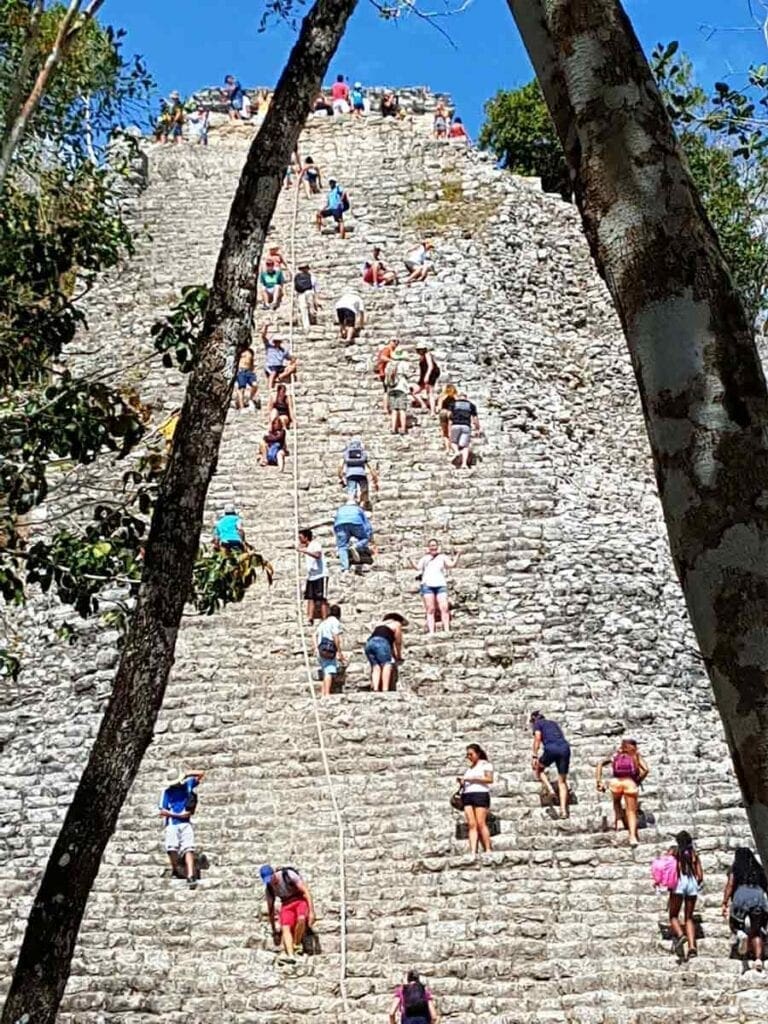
(337, 212)
(559, 756)
(346, 317)
(316, 590)
(475, 799)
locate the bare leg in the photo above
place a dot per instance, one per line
(445, 612)
(281, 461)
(429, 611)
(465, 452)
(386, 676)
(690, 924)
(173, 857)
(301, 927)
(287, 940)
(375, 677)
(327, 683)
(481, 814)
(618, 811)
(189, 863)
(469, 814)
(630, 803)
(675, 904)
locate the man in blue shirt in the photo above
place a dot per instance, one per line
(551, 747)
(177, 805)
(335, 204)
(228, 532)
(351, 522)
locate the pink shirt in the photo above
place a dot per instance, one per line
(340, 91)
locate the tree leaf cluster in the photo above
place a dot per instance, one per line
(222, 577)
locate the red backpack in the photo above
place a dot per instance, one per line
(624, 766)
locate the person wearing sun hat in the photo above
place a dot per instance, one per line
(271, 281)
(297, 909)
(177, 805)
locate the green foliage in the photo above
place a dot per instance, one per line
(724, 139)
(519, 130)
(176, 335)
(222, 577)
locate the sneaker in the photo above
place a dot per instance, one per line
(692, 953)
(354, 554)
(742, 942)
(284, 959)
(191, 883)
(677, 945)
(758, 965)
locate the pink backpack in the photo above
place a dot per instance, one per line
(624, 766)
(664, 871)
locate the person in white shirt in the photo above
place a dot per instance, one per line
(316, 586)
(328, 647)
(434, 585)
(476, 796)
(418, 262)
(350, 313)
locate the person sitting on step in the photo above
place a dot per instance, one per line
(375, 271)
(384, 649)
(398, 380)
(690, 878)
(316, 584)
(458, 133)
(297, 909)
(745, 905)
(429, 374)
(353, 473)
(177, 805)
(434, 585)
(228, 533)
(321, 106)
(328, 647)
(476, 797)
(246, 383)
(273, 448)
(418, 262)
(390, 105)
(413, 1003)
(336, 205)
(350, 314)
(280, 407)
(271, 283)
(279, 366)
(550, 747)
(463, 419)
(305, 290)
(340, 96)
(629, 769)
(352, 524)
(311, 178)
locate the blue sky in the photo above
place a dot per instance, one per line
(189, 44)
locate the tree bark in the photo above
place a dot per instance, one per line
(701, 384)
(44, 962)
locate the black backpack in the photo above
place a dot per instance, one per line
(191, 805)
(302, 282)
(415, 1002)
(292, 890)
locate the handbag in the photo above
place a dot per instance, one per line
(456, 801)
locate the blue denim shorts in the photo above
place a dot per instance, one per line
(329, 666)
(432, 590)
(686, 886)
(378, 651)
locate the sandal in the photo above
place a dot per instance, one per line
(692, 953)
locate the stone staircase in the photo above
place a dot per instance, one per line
(564, 599)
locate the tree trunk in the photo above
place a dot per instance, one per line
(43, 966)
(701, 383)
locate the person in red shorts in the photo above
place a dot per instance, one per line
(297, 910)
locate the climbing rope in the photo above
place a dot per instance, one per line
(304, 646)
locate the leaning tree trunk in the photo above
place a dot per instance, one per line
(126, 730)
(692, 348)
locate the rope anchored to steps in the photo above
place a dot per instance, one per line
(305, 648)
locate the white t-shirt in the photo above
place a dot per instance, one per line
(315, 566)
(350, 300)
(328, 629)
(417, 255)
(474, 773)
(432, 571)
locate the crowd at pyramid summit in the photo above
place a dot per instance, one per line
(413, 386)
